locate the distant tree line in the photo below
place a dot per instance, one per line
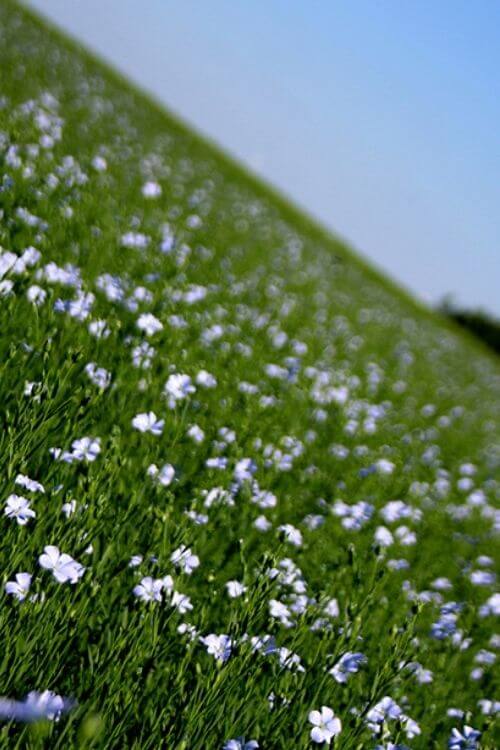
(478, 322)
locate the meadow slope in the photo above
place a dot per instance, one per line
(243, 476)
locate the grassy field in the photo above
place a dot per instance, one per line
(248, 485)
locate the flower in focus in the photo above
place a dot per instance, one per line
(20, 587)
(18, 507)
(64, 568)
(183, 558)
(86, 449)
(149, 589)
(219, 646)
(181, 602)
(325, 725)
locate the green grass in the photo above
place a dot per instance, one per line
(361, 375)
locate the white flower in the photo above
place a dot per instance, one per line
(6, 287)
(240, 744)
(196, 433)
(149, 323)
(63, 567)
(292, 535)
(183, 558)
(217, 496)
(383, 466)
(200, 519)
(142, 355)
(423, 676)
(289, 660)
(99, 164)
(98, 375)
(79, 307)
(18, 507)
(31, 256)
(163, 476)
(86, 449)
(218, 462)
(35, 706)
(411, 727)
(29, 484)
(281, 612)
(69, 508)
(244, 470)
(186, 629)
(219, 646)
(235, 589)
(99, 329)
(36, 294)
(151, 189)
(177, 388)
(348, 664)
(314, 521)
(467, 739)
(405, 536)
(149, 589)
(20, 587)
(386, 708)
(181, 602)
(168, 584)
(265, 644)
(383, 536)
(262, 524)
(325, 725)
(489, 707)
(30, 387)
(491, 607)
(135, 240)
(205, 379)
(264, 499)
(148, 422)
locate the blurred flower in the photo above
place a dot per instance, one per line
(35, 706)
(148, 422)
(20, 587)
(467, 739)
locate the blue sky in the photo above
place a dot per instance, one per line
(380, 117)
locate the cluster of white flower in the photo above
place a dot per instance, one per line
(279, 482)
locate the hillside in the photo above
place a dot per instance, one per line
(244, 476)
